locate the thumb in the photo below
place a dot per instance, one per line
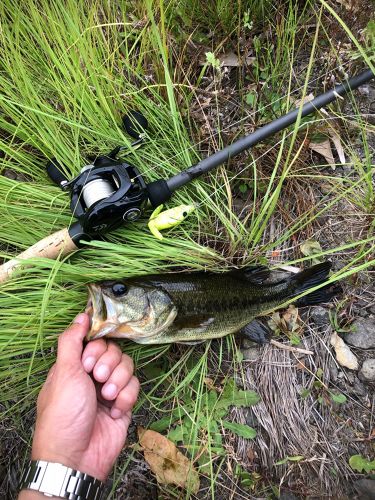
(70, 343)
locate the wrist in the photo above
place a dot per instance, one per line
(74, 461)
(33, 495)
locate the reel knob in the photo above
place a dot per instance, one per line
(135, 124)
(55, 174)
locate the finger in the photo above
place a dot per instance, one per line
(92, 353)
(107, 362)
(70, 342)
(126, 399)
(119, 378)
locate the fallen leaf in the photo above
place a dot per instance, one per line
(287, 322)
(168, 464)
(337, 142)
(306, 99)
(348, 4)
(251, 455)
(291, 269)
(229, 59)
(309, 248)
(291, 319)
(275, 322)
(344, 355)
(324, 149)
(209, 383)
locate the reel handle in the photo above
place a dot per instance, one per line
(55, 245)
(54, 173)
(135, 124)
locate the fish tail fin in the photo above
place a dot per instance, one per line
(324, 294)
(309, 278)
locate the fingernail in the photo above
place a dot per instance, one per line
(80, 319)
(102, 372)
(109, 391)
(116, 413)
(88, 363)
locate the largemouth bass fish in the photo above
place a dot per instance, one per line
(182, 307)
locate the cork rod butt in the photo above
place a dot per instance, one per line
(55, 245)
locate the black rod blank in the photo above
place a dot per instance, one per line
(266, 131)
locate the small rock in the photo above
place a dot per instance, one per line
(344, 355)
(10, 174)
(350, 377)
(247, 344)
(359, 388)
(363, 334)
(333, 370)
(364, 90)
(365, 488)
(320, 316)
(367, 372)
(252, 354)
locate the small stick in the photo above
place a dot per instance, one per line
(289, 347)
(59, 243)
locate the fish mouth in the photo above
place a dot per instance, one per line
(101, 313)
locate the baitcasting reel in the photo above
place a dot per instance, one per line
(107, 192)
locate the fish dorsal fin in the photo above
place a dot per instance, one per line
(256, 274)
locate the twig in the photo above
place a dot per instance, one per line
(289, 347)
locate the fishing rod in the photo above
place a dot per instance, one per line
(108, 192)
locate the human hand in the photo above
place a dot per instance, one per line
(84, 407)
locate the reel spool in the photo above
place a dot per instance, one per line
(97, 189)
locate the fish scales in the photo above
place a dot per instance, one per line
(182, 307)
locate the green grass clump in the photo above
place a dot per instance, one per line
(68, 72)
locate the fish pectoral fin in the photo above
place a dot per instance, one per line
(193, 322)
(252, 274)
(257, 332)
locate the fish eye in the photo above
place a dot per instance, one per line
(184, 214)
(119, 289)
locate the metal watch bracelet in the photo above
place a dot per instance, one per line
(53, 479)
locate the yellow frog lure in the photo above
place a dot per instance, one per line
(169, 218)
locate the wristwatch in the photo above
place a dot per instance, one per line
(53, 479)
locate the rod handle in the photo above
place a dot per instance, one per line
(55, 245)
